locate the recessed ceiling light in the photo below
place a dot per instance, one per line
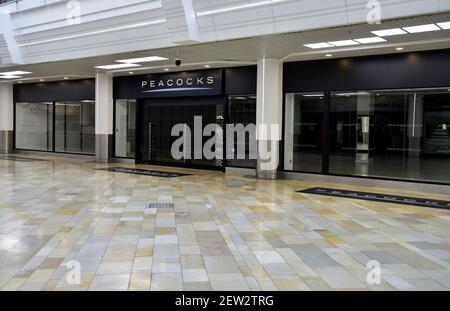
(117, 66)
(370, 40)
(321, 45)
(166, 69)
(313, 95)
(15, 73)
(343, 43)
(421, 28)
(142, 59)
(66, 78)
(399, 49)
(42, 80)
(131, 72)
(445, 25)
(10, 77)
(207, 66)
(389, 32)
(328, 55)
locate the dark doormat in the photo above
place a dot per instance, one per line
(20, 159)
(137, 171)
(386, 198)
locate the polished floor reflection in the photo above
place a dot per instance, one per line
(225, 232)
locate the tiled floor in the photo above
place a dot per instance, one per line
(226, 232)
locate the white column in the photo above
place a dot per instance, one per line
(103, 117)
(269, 116)
(6, 117)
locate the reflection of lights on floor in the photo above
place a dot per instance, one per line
(7, 243)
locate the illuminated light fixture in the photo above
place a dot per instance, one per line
(207, 66)
(166, 69)
(15, 73)
(312, 95)
(238, 7)
(321, 45)
(343, 43)
(10, 77)
(20, 82)
(399, 49)
(445, 25)
(328, 55)
(421, 28)
(142, 60)
(389, 32)
(131, 72)
(85, 34)
(66, 78)
(352, 94)
(42, 80)
(117, 66)
(370, 40)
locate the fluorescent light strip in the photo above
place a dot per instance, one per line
(370, 40)
(445, 25)
(15, 73)
(343, 43)
(421, 28)
(10, 77)
(142, 59)
(389, 32)
(321, 45)
(85, 34)
(238, 7)
(117, 66)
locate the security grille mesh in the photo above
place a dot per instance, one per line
(157, 118)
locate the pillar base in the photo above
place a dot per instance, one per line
(6, 142)
(103, 148)
(267, 169)
(269, 175)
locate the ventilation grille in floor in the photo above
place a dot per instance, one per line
(378, 197)
(143, 172)
(161, 205)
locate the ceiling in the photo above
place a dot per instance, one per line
(288, 47)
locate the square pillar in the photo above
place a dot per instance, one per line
(103, 117)
(269, 116)
(6, 118)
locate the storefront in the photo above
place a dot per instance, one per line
(384, 116)
(148, 107)
(55, 116)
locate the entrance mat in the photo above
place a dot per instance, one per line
(386, 198)
(20, 159)
(137, 171)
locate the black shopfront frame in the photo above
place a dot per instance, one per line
(415, 70)
(53, 92)
(235, 81)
